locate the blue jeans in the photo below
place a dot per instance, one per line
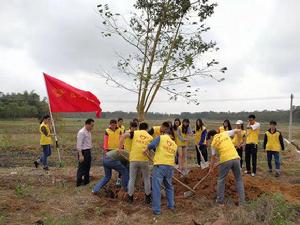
(45, 155)
(276, 157)
(162, 174)
(110, 165)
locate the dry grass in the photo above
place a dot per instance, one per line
(29, 195)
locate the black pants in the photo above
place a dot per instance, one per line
(251, 154)
(203, 150)
(240, 152)
(84, 168)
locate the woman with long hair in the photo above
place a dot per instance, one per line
(200, 140)
(45, 142)
(225, 127)
(183, 133)
(176, 124)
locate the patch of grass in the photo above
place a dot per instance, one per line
(5, 140)
(120, 218)
(266, 210)
(20, 190)
(50, 220)
(99, 211)
(2, 218)
(273, 210)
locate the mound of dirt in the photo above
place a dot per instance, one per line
(254, 187)
(207, 187)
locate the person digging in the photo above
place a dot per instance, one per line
(163, 168)
(229, 160)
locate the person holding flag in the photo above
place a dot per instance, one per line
(63, 97)
(45, 142)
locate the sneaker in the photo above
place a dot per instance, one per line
(270, 170)
(148, 199)
(253, 174)
(277, 174)
(118, 183)
(46, 168)
(130, 199)
(246, 172)
(156, 213)
(36, 164)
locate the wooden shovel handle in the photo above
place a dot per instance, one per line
(184, 185)
(200, 181)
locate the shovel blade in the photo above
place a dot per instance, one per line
(204, 165)
(188, 194)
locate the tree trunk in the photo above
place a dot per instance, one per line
(141, 115)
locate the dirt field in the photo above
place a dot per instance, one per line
(32, 196)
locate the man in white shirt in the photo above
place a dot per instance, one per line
(84, 146)
(252, 138)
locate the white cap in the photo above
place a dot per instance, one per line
(239, 122)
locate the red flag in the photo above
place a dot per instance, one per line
(66, 98)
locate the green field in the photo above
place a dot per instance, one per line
(29, 195)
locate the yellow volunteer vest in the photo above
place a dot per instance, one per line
(45, 140)
(140, 141)
(178, 141)
(165, 152)
(156, 131)
(197, 136)
(238, 138)
(176, 137)
(223, 144)
(222, 129)
(127, 143)
(252, 136)
(273, 143)
(122, 129)
(113, 138)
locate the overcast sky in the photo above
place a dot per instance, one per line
(258, 40)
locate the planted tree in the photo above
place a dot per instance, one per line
(168, 55)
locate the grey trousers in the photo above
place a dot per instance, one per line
(224, 169)
(134, 167)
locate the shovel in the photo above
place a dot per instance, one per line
(203, 164)
(189, 193)
(177, 180)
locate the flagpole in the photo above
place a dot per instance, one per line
(53, 125)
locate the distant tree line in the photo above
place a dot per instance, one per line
(30, 105)
(263, 116)
(22, 105)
